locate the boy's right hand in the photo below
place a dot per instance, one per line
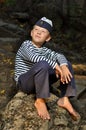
(59, 73)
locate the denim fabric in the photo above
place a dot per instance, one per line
(39, 79)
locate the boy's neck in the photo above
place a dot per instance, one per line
(37, 45)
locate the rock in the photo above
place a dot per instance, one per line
(83, 127)
(10, 26)
(20, 114)
(20, 15)
(45, 126)
(80, 69)
(62, 120)
(9, 44)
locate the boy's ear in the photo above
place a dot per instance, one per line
(48, 38)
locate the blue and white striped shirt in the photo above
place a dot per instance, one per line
(28, 54)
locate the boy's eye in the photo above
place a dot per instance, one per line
(43, 31)
(36, 29)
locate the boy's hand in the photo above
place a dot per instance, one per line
(66, 73)
(59, 73)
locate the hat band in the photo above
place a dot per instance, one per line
(45, 25)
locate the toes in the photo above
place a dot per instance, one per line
(45, 116)
(76, 116)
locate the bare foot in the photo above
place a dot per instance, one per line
(65, 103)
(42, 109)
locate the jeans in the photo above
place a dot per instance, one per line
(39, 80)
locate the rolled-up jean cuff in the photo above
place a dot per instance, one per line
(70, 92)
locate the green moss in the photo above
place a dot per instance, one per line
(10, 2)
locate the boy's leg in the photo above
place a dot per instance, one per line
(37, 80)
(68, 90)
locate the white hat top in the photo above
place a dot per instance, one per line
(47, 20)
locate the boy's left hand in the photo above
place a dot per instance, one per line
(66, 73)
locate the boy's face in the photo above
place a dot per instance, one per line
(40, 35)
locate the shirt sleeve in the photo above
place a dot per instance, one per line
(59, 58)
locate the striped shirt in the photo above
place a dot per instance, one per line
(28, 54)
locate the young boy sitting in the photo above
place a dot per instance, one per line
(37, 68)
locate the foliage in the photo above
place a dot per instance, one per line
(10, 2)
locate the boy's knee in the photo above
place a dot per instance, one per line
(69, 64)
(70, 67)
(44, 65)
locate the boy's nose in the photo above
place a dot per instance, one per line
(39, 32)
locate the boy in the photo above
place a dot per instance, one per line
(37, 67)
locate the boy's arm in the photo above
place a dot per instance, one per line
(64, 73)
(58, 57)
(67, 74)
